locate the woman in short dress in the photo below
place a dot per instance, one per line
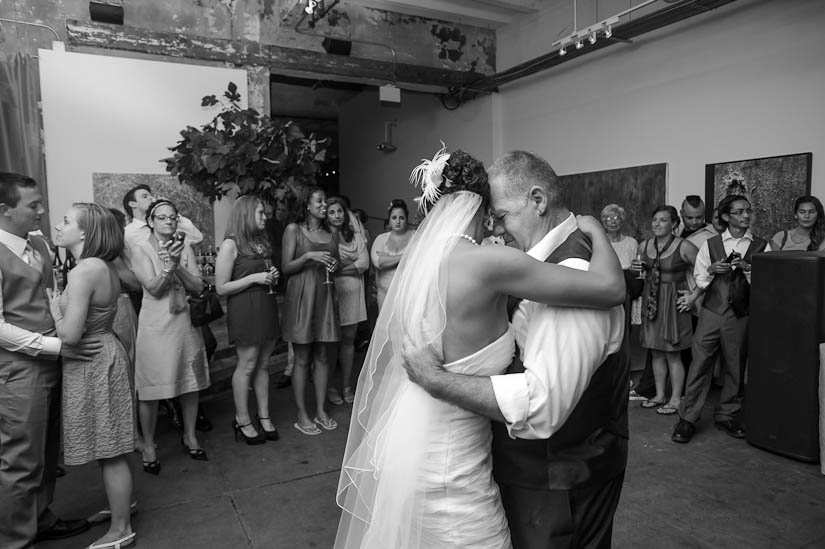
(389, 247)
(809, 233)
(349, 285)
(244, 272)
(98, 398)
(170, 355)
(666, 305)
(310, 323)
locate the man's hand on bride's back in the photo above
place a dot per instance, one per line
(589, 225)
(421, 363)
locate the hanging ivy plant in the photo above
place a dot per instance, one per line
(244, 152)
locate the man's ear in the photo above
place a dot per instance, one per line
(539, 199)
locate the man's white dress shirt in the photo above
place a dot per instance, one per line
(14, 338)
(700, 270)
(561, 348)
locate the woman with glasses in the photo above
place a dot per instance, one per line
(613, 217)
(170, 355)
(666, 305)
(809, 233)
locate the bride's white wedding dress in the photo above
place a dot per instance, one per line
(417, 470)
(449, 479)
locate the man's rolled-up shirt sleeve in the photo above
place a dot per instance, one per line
(562, 350)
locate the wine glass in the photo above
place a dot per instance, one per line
(268, 266)
(330, 267)
(640, 258)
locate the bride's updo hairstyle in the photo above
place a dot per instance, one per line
(449, 173)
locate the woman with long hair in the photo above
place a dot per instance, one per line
(388, 248)
(170, 357)
(349, 285)
(244, 272)
(310, 323)
(417, 469)
(809, 233)
(98, 396)
(666, 304)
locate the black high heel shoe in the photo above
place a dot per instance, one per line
(270, 435)
(198, 454)
(251, 441)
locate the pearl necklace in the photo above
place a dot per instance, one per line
(468, 238)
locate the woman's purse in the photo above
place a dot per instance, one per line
(205, 306)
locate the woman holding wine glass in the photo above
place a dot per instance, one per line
(311, 322)
(244, 273)
(664, 261)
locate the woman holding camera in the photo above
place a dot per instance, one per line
(244, 272)
(170, 355)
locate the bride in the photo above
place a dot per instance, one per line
(417, 471)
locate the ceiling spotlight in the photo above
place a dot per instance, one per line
(592, 38)
(311, 5)
(563, 50)
(579, 45)
(608, 32)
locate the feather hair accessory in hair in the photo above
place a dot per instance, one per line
(429, 176)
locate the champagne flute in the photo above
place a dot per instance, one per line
(268, 266)
(641, 275)
(330, 267)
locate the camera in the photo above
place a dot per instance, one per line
(386, 147)
(179, 237)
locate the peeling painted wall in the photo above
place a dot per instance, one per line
(417, 40)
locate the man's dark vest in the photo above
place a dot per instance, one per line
(25, 303)
(717, 296)
(591, 447)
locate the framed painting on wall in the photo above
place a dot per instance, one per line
(771, 184)
(638, 189)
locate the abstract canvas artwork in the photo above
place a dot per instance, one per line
(771, 184)
(109, 189)
(638, 189)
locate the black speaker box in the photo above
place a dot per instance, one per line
(106, 13)
(336, 46)
(785, 329)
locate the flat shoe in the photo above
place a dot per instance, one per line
(349, 396)
(667, 410)
(106, 514)
(310, 430)
(125, 541)
(334, 398)
(650, 403)
(329, 424)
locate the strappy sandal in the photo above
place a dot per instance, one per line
(329, 424)
(198, 454)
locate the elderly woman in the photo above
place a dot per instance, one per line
(613, 217)
(389, 247)
(809, 233)
(170, 355)
(98, 401)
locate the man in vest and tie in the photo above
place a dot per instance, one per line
(29, 373)
(560, 413)
(723, 270)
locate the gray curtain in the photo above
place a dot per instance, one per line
(21, 142)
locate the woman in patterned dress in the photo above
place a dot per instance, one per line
(98, 398)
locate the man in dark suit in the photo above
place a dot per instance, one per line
(29, 373)
(560, 413)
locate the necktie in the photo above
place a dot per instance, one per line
(33, 257)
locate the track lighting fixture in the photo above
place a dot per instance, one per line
(563, 50)
(579, 45)
(608, 31)
(592, 38)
